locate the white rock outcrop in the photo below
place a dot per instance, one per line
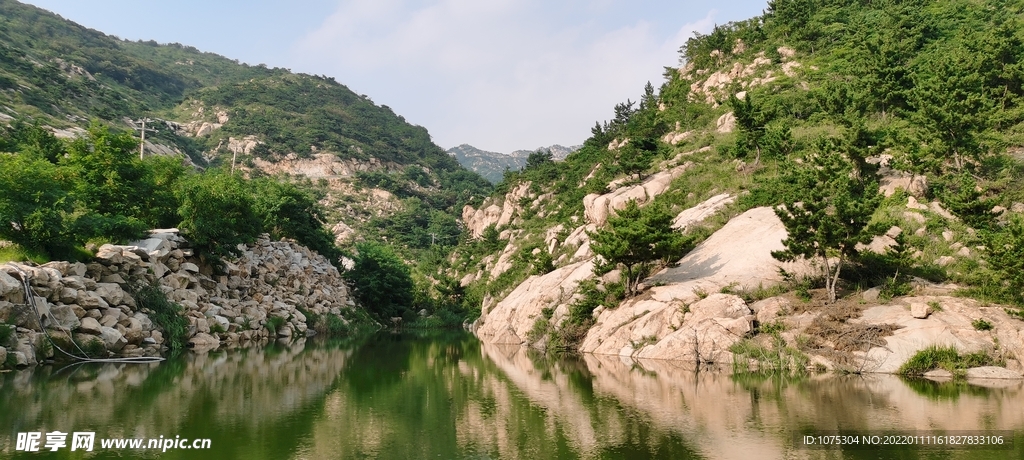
(598, 207)
(511, 320)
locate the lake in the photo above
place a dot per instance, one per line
(446, 396)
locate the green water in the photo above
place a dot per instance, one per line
(449, 396)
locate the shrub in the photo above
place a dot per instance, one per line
(935, 357)
(6, 334)
(775, 356)
(981, 324)
(217, 212)
(165, 315)
(274, 324)
(383, 283)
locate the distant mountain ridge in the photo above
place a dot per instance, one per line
(491, 165)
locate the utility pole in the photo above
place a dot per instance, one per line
(143, 129)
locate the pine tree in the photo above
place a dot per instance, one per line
(634, 239)
(830, 215)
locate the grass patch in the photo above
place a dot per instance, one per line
(165, 314)
(274, 324)
(981, 324)
(16, 253)
(771, 328)
(761, 292)
(216, 327)
(935, 357)
(6, 334)
(771, 357)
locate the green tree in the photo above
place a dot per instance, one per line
(756, 132)
(634, 239)
(538, 159)
(110, 181)
(635, 157)
(1005, 254)
(950, 98)
(31, 139)
(382, 282)
(217, 212)
(830, 213)
(288, 212)
(36, 211)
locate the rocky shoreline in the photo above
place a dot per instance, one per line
(91, 305)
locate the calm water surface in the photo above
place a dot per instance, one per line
(449, 396)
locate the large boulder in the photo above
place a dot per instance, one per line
(63, 317)
(725, 306)
(111, 293)
(203, 342)
(511, 320)
(90, 326)
(112, 339)
(11, 288)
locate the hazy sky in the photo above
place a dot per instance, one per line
(501, 75)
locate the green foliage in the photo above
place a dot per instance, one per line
(538, 159)
(756, 133)
(6, 334)
(165, 315)
(936, 357)
(634, 239)
(830, 215)
(635, 157)
(274, 324)
(36, 209)
(771, 357)
(217, 212)
(489, 240)
(289, 212)
(981, 324)
(1005, 256)
(961, 195)
(771, 328)
(897, 286)
(382, 281)
(417, 225)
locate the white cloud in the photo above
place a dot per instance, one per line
(500, 75)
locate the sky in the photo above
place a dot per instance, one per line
(500, 75)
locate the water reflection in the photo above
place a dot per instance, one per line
(449, 396)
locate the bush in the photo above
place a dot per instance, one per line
(981, 324)
(1006, 257)
(935, 357)
(286, 211)
(382, 281)
(35, 206)
(274, 324)
(165, 315)
(217, 213)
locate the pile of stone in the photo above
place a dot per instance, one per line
(232, 303)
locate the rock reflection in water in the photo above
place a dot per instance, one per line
(253, 403)
(449, 396)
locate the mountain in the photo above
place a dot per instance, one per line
(492, 165)
(825, 157)
(366, 162)
(558, 152)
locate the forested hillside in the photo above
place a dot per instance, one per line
(268, 150)
(886, 135)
